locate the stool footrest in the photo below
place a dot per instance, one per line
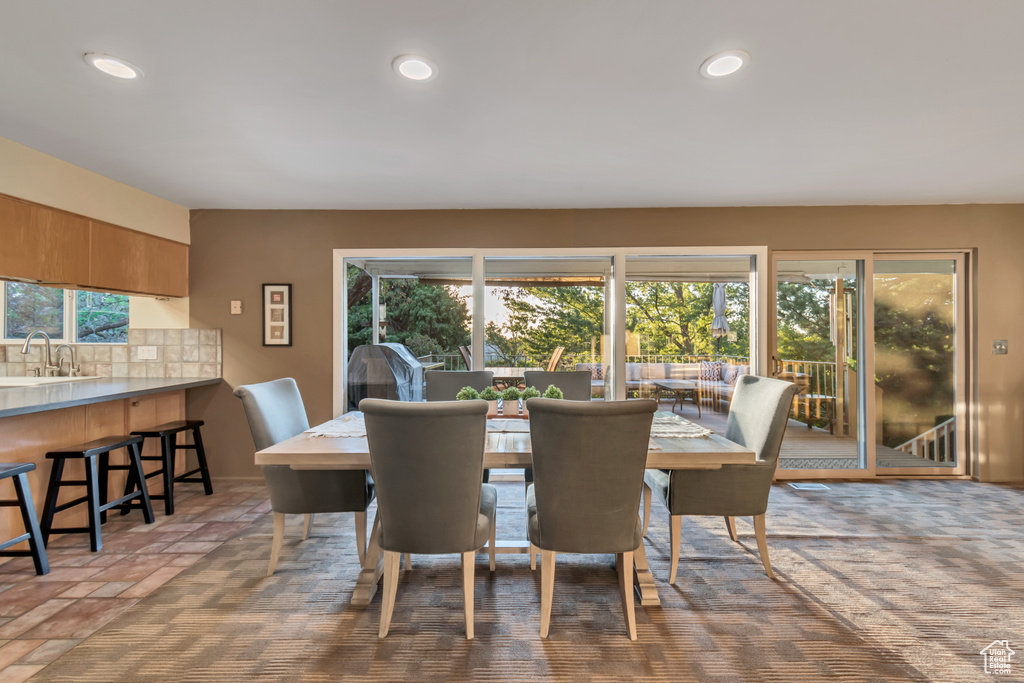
(13, 541)
(71, 503)
(121, 501)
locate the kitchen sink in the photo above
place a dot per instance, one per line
(39, 381)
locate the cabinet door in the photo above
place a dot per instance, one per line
(128, 261)
(42, 244)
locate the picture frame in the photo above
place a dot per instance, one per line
(277, 315)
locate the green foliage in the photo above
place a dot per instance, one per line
(102, 317)
(429, 319)
(531, 392)
(489, 394)
(467, 394)
(511, 394)
(804, 328)
(32, 307)
(553, 392)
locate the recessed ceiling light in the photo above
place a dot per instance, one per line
(112, 66)
(724, 63)
(414, 67)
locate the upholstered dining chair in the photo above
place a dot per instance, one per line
(443, 385)
(588, 464)
(757, 420)
(427, 460)
(575, 384)
(275, 412)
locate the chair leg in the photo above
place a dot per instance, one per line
(307, 524)
(547, 589)
(730, 525)
(624, 565)
(468, 567)
(93, 503)
(533, 557)
(204, 471)
(167, 453)
(762, 544)
(275, 548)
(28, 516)
(387, 607)
(490, 546)
(647, 507)
(50, 506)
(361, 536)
(408, 562)
(676, 527)
(139, 475)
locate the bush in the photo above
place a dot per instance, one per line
(466, 394)
(489, 394)
(531, 392)
(511, 394)
(553, 392)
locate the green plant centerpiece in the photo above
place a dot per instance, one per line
(510, 401)
(491, 396)
(467, 394)
(528, 393)
(553, 392)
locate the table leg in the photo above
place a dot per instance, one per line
(644, 578)
(373, 568)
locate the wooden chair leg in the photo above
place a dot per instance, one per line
(547, 589)
(468, 567)
(647, 507)
(676, 527)
(387, 606)
(275, 548)
(408, 562)
(762, 544)
(490, 546)
(533, 557)
(361, 536)
(624, 565)
(730, 525)
(306, 526)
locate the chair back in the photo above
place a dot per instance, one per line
(556, 356)
(575, 385)
(588, 469)
(427, 461)
(274, 410)
(466, 356)
(442, 385)
(758, 415)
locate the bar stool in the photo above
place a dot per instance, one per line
(19, 472)
(96, 455)
(167, 434)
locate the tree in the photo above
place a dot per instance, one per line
(31, 307)
(804, 327)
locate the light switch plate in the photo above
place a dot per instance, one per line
(147, 353)
(1000, 347)
(236, 307)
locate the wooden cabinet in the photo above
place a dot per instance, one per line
(128, 261)
(42, 244)
(60, 248)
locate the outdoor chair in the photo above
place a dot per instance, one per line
(556, 356)
(275, 413)
(757, 420)
(588, 460)
(427, 460)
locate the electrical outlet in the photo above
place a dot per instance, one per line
(236, 307)
(147, 353)
(1000, 347)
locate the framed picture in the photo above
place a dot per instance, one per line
(277, 315)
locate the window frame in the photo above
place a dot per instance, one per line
(69, 335)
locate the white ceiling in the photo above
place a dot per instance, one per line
(574, 103)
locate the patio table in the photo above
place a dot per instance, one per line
(507, 376)
(682, 389)
(508, 450)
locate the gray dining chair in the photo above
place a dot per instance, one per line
(427, 460)
(275, 413)
(575, 384)
(757, 420)
(443, 385)
(588, 462)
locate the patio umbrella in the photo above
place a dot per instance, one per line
(719, 326)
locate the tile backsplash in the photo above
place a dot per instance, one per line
(148, 353)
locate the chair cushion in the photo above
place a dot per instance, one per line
(729, 373)
(710, 371)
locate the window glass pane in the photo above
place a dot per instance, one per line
(32, 307)
(102, 318)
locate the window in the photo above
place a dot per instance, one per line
(64, 314)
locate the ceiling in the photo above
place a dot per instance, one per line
(538, 104)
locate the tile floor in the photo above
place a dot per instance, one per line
(42, 617)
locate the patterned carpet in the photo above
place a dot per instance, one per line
(901, 580)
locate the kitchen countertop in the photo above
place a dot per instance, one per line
(37, 399)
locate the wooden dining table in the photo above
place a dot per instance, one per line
(502, 450)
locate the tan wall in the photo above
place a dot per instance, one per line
(234, 252)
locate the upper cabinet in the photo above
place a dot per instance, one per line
(56, 247)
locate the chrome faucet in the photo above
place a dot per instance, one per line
(49, 366)
(73, 368)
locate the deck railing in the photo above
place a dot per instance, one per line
(938, 444)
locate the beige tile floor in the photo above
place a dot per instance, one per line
(42, 617)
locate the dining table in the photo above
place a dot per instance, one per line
(342, 444)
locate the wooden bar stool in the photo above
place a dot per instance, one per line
(167, 434)
(96, 455)
(19, 472)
